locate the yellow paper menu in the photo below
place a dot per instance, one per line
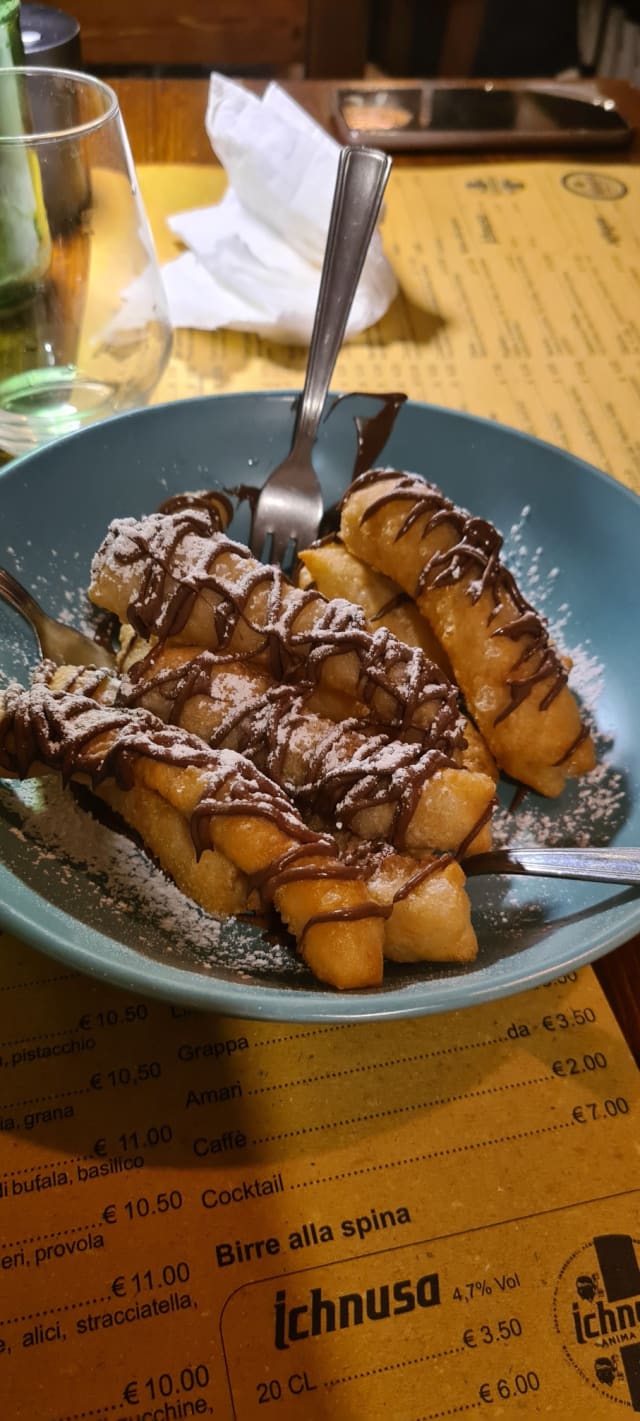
(519, 300)
(419, 1219)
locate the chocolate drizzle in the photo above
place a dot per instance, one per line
(72, 734)
(583, 734)
(366, 858)
(471, 559)
(288, 869)
(93, 681)
(343, 771)
(212, 501)
(484, 819)
(173, 561)
(245, 493)
(374, 432)
(399, 599)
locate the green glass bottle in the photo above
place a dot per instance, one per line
(25, 245)
(11, 51)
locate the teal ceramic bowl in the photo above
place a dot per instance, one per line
(88, 897)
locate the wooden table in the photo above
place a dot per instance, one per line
(165, 122)
(165, 118)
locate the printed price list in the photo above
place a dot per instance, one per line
(516, 302)
(207, 1216)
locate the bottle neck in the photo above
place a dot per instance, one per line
(11, 50)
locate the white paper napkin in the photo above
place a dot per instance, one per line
(253, 260)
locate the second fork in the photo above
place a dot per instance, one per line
(289, 507)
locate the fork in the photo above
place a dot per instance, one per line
(58, 643)
(289, 507)
(609, 865)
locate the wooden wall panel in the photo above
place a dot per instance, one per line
(325, 37)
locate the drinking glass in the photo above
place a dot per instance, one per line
(84, 325)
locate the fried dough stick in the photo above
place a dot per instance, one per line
(428, 909)
(329, 567)
(377, 787)
(430, 913)
(208, 808)
(336, 572)
(171, 578)
(512, 679)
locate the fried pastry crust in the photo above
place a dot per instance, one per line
(171, 578)
(430, 913)
(378, 787)
(215, 804)
(512, 678)
(336, 572)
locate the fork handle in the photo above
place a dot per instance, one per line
(360, 184)
(608, 865)
(18, 598)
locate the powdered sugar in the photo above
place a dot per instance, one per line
(593, 807)
(589, 813)
(104, 880)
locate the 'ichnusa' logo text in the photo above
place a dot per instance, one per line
(319, 1313)
(597, 1314)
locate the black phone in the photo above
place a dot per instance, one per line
(439, 115)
